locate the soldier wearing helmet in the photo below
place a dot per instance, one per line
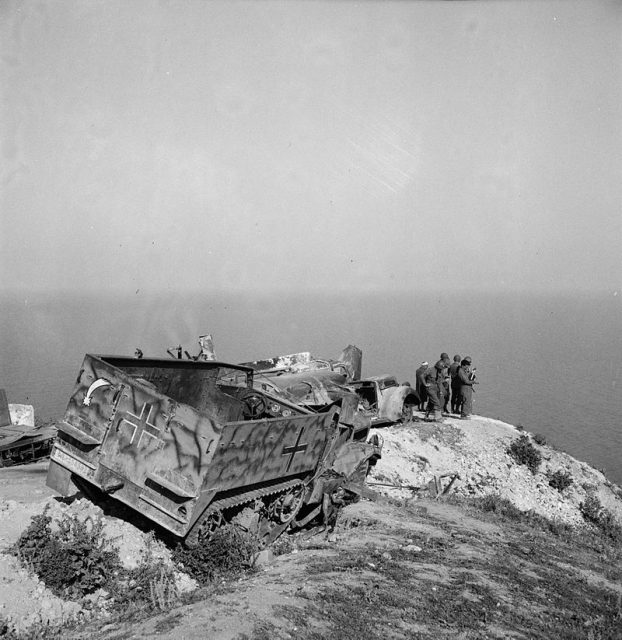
(466, 376)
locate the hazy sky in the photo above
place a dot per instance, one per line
(157, 146)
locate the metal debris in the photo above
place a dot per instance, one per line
(384, 400)
(21, 442)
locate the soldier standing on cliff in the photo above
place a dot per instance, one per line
(455, 384)
(467, 380)
(434, 377)
(445, 401)
(421, 388)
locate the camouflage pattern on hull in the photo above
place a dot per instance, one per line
(175, 439)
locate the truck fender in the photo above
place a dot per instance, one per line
(393, 400)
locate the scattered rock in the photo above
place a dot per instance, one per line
(264, 557)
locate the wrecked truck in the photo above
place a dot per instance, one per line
(385, 401)
(191, 445)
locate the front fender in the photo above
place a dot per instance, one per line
(392, 401)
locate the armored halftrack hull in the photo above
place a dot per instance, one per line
(191, 444)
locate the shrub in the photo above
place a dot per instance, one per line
(593, 511)
(496, 504)
(229, 550)
(610, 527)
(525, 453)
(560, 480)
(74, 562)
(538, 438)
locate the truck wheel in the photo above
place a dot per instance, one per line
(287, 505)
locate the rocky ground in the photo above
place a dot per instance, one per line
(401, 526)
(476, 450)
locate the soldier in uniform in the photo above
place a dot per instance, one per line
(446, 361)
(455, 384)
(434, 377)
(467, 380)
(421, 388)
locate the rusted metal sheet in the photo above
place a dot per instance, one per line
(182, 440)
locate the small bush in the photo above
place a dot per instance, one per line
(230, 550)
(151, 586)
(560, 480)
(591, 509)
(593, 512)
(610, 527)
(493, 503)
(538, 438)
(525, 453)
(73, 562)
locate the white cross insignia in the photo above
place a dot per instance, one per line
(143, 426)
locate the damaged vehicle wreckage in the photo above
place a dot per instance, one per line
(384, 400)
(21, 440)
(306, 380)
(312, 382)
(192, 445)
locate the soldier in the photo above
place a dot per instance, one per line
(467, 380)
(445, 360)
(455, 384)
(434, 385)
(420, 386)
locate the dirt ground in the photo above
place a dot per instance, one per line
(22, 491)
(426, 570)
(399, 564)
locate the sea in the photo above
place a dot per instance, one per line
(551, 363)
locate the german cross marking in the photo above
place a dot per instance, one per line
(143, 426)
(292, 451)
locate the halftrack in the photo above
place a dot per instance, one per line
(191, 445)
